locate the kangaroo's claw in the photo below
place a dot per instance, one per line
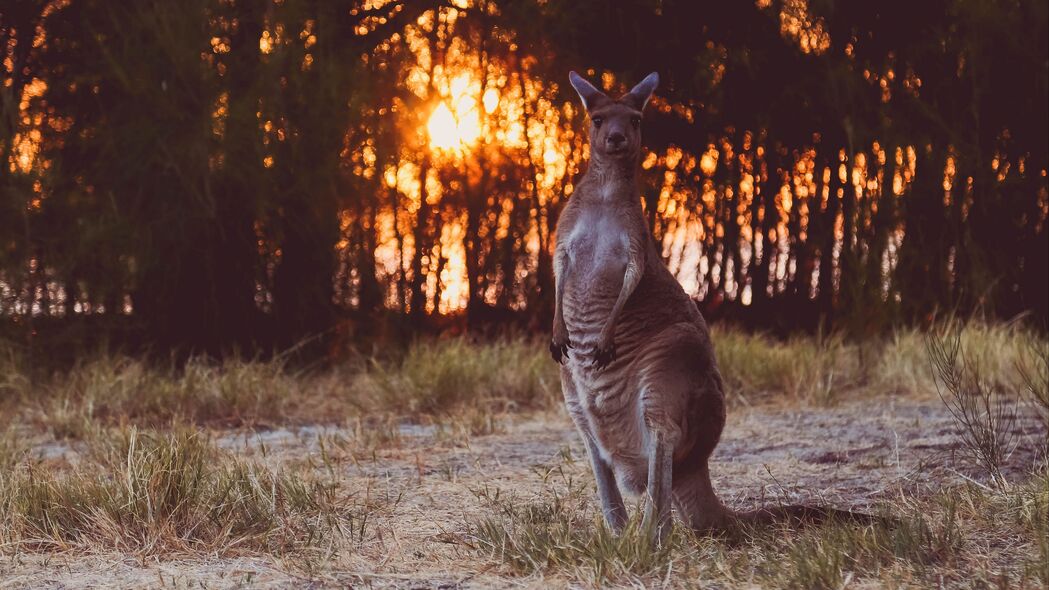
(604, 355)
(559, 352)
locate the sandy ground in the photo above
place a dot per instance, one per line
(428, 487)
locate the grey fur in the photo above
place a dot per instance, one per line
(638, 370)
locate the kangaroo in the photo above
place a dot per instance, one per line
(638, 371)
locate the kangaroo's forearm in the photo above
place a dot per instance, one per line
(631, 278)
(561, 271)
(559, 308)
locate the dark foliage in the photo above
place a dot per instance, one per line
(209, 176)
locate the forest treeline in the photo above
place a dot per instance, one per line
(211, 176)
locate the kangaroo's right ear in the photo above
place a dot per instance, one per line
(640, 94)
(590, 95)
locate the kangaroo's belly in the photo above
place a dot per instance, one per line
(606, 410)
(606, 404)
(605, 401)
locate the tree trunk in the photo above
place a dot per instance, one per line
(920, 275)
(829, 239)
(234, 241)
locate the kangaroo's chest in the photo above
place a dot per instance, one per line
(598, 246)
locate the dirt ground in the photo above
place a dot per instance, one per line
(429, 486)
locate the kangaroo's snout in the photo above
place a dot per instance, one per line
(617, 138)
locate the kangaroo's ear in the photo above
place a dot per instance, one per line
(590, 95)
(639, 95)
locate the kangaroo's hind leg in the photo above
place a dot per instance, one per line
(694, 497)
(612, 505)
(660, 454)
(683, 413)
(666, 382)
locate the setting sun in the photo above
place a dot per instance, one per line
(443, 128)
(455, 122)
(454, 130)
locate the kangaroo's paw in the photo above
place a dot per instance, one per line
(604, 354)
(559, 350)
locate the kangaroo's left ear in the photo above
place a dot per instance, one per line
(639, 95)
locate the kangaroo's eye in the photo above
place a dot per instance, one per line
(598, 121)
(635, 121)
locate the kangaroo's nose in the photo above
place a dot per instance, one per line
(616, 139)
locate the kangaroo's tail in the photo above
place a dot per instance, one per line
(702, 510)
(801, 514)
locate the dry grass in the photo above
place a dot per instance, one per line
(473, 384)
(947, 538)
(1033, 368)
(560, 533)
(153, 494)
(987, 413)
(815, 370)
(114, 390)
(13, 378)
(823, 371)
(467, 385)
(12, 451)
(446, 376)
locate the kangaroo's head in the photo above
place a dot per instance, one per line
(615, 125)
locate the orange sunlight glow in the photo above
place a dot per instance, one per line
(458, 126)
(443, 128)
